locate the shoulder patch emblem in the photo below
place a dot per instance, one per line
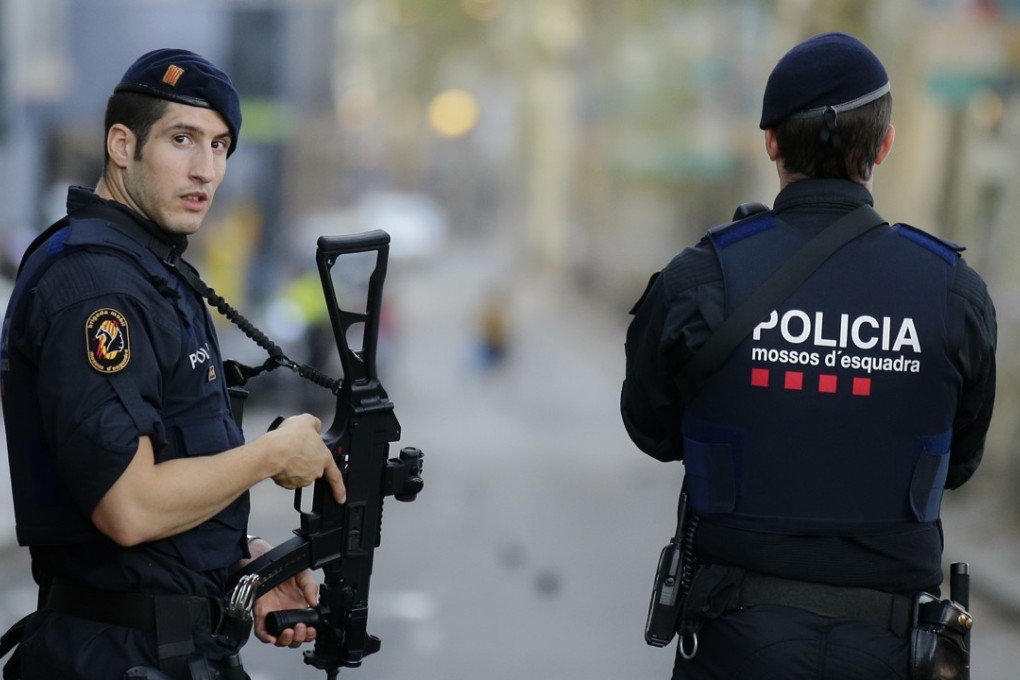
(107, 340)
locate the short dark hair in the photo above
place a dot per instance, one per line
(137, 112)
(860, 133)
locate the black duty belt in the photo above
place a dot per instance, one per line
(175, 619)
(134, 610)
(894, 612)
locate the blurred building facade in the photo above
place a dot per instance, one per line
(591, 139)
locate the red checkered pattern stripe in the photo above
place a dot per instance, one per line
(824, 383)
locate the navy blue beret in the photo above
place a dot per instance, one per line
(830, 70)
(186, 78)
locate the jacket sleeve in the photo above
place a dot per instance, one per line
(673, 318)
(974, 316)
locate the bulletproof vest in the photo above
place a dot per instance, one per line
(836, 412)
(196, 418)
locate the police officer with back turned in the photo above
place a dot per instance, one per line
(130, 473)
(816, 451)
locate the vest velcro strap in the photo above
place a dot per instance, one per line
(174, 637)
(893, 612)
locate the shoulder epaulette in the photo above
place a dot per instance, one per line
(724, 235)
(947, 250)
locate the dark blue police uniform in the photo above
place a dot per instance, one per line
(810, 455)
(816, 454)
(103, 343)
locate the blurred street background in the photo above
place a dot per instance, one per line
(534, 162)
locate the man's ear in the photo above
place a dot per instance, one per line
(120, 144)
(772, 145)
(886, 146)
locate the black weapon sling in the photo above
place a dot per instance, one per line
(718, 348)
(237, 373)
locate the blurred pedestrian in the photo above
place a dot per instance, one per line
(130, 474)
(493, 331)
(816, 452)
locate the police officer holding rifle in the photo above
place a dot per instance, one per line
(130, 472)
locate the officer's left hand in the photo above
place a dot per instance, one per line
(294, 593)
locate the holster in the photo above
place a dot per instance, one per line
(938, 643)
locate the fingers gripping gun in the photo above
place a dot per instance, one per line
(341, 539)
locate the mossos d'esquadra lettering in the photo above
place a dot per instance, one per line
(862, 332)
(840, 341)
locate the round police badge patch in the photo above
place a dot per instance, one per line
(106, 337)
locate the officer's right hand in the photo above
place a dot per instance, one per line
(303, 457)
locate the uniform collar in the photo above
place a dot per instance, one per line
(838, 195)
(83, 197)
(814, 204)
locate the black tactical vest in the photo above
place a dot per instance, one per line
(836, 413)
(195, 410)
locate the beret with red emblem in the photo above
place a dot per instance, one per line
(186, 78)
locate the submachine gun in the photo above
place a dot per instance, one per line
(340, 539)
